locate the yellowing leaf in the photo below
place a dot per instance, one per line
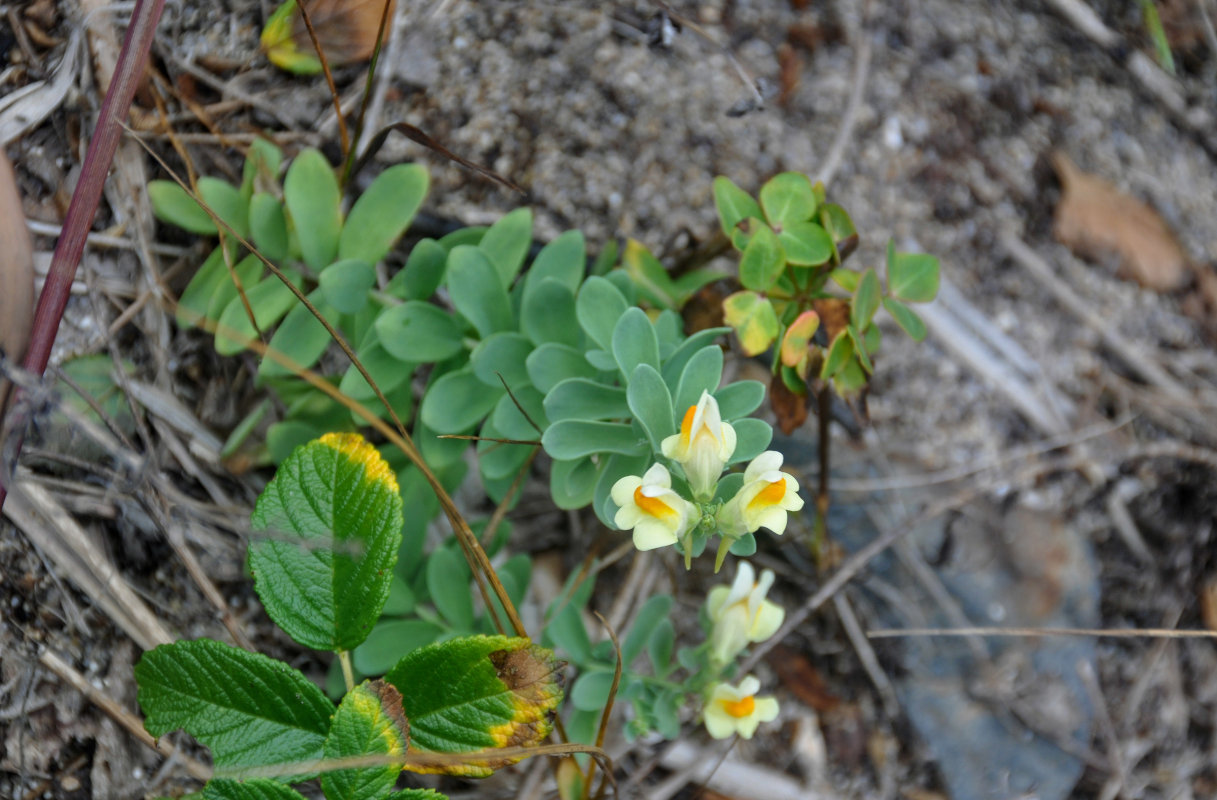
(346, 30)
(754, 321)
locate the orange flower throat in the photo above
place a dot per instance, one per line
(739, 708)
(653, 505)
(771, 495)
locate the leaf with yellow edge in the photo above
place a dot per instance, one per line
(754, 320)
(369, 721)
(798, 338)
(346, 30)
(476, 693)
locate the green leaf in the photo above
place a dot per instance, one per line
(448, 585)
(284, 437)
(253, 789)
(866, 300)
(591, 690)
(575, 438)
(478, 692)
(250, 710)
(172, 204)
(422, 274)
(635, 342)
(390, 640)
(572, 484)
(598, 307)
(648, 275)
(744, 546)
(806, 244)
(601, 361)
(261, 162)
(506, 243)
(837, 222)
(659, 647)
(788, 198)
(477, 290)
(701, 374)
(550, 364)
(311, 193)
(369, 721)
(417, 794)
(912, 277)
(457, 402)
(872, 338)
(346, 284)
(227, 203)
(580, 398)
(335, 515)
(497, 460)
(651, 404)
(383, 212)
(851, 379)
(754, 321)
(675, 363)
(763, 260)
(196, 298)
(839, 353)
(564, 259)
(300, 337)
(860, 349)
(548, 314)
(567, 632)
(503, 354)
(733, 204)
(654, 611)
(752, 436)
(270, 300)
(847, 279)
(268, 226)
(418, 332)
(248, 270)
(386, 369)
(906, 318)
(739, 399)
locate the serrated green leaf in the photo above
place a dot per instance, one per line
(754, 321)
(369, 721)
(457, 402)
(477, 290)
(580, 398)
(548, 314)
(335, 515)
(591, 690)
(906, 318)
(912, 277)
(573, 438)
(650, 614)
(268, 226)
(478, 692)
(506, 243)
(635, 341)
(422, 274)
(752, 436)
(564, 259)
(383, 212)
(313, 199)
(550, 364)
(739, 399)
(787, 198)
(254, 789)
(418, 332)
(733, 204)
(227, 203)
(701, 374)
(300, 337)
(763, 260)
(806, 244)
(598, 307)
(572, 484)
(651, 404)
(270, 299)
(448, 585)
(866, 300)
(250, 710)
(171, 203)
(346, 284)
(504, 354)
(840, 351)
(659, 647)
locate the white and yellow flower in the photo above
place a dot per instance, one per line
(767, 495)
(658, 515)
(733, 709)
(741, 614)
(703, 446)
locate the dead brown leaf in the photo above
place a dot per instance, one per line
(790, 69)
(1096, 220)
(16, 272)
(834, 315)
(789, 408)
(801, 679)
(346, 29)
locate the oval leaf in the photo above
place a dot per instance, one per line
(300, 337)
(477, 291)
(551, 364)
(763, 260)
(651, 403)
(564, 259)
(635, 342)
(906, 318)
(418, 332)
(571, 439)
(734, 204)
(270, 300)
(268, 226)
(580, 398)
(788, 198)
(506, 243)
(422, 274)
(311, 193)
(548, 314)
(457, 402)
(502, 354)
(806, 244)
(701, 374)
(346, 284)
(171, 203)
(598, 307)
(383, 212)
(754, 321)
(912, 277)
(866, 300)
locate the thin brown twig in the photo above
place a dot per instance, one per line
(329, 78)
(349, 160)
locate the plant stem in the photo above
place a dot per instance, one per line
(127, 76)
(348, 674)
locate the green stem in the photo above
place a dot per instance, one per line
(348, 674)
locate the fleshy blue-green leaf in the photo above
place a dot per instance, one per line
(457, 402)
(572, 484)
(506, 244)
(448, 585)
(313, 199)
(346, 283)
(660, 646)
(335, 517)
(171, 203)
(497, 460)
(196, 297)
(268, 226)
(477, 290)
(591, 690)
(752, 436)
(566, 631)
(651, 404)
(249, 709)
(475, 693)
(504, 354)
(787, 198)
(564, 259)
(654, 611)
(422, 274)
(386, 369)
(226, 202)
(550, 364)
(418, 332)
(635, 342)
(369, 721)
(548, 314)
(571, 439)
(390, 640)
(701, 374)
(739, 399)
(580, 398)
(674, 364)
(598, 307)
(383, 212)
(248, 270)
(300, 337)
(270, 300)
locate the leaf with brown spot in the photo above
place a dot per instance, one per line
(1096, 220)
(346, 31)
(834, 315)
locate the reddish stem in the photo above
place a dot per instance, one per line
(83, 208)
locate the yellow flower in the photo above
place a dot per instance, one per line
(702, 447)
(764, 499)
(658, 515)
(741, 614)
(738, 710)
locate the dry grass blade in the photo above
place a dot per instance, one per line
(417, 135)
(346, 30)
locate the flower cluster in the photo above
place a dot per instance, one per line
(659, 515)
